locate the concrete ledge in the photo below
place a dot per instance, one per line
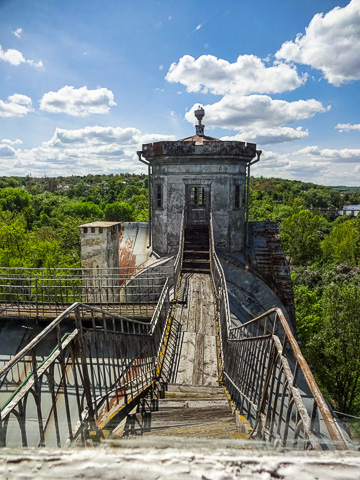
(191, 459)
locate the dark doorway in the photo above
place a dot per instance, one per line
(197, 204)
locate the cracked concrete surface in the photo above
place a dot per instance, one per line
(177, 459)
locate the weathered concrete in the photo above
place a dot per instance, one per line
(99, 245)
(200, 161)
(177, 459)
(259, 279)
(123, 245)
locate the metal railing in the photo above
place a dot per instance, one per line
(286, 384)
(37, 293)
(268, 378)
(70, 381)
(179, 256)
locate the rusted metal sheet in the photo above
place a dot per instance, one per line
(270, 262)
(133, 245)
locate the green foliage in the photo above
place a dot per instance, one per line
(300, 235)
(309, 312)
(118, 212)
(87, 211)
(334, 351)
(14, 199)
(39, 224)
(343, 244)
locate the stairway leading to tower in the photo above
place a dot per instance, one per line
(195, 404)
(196, 256)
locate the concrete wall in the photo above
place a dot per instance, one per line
(100, 245)
(120, 245)
(220, 176)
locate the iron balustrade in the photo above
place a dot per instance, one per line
(271, 384)
(179, 256)
(280, 406)
(73, 377)
(37, 293)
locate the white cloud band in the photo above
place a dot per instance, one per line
(248, 74)
(78, 102)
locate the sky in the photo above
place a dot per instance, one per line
(85, 83)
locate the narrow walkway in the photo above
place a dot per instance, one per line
(195, 404)
(192, 352)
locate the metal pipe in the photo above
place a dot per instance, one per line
(258, 153)
(149, 194)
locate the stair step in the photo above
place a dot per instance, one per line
(195, 389)
(195, 270)
(197, 261)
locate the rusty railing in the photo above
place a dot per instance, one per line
(42, 293)
(275, 385)
(268, 378)
(78, 375)
(179, 256)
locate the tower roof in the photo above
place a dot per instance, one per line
(199, 139)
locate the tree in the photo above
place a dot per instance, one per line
(343, 244)
(301, 237)
(14, 199)
(118, 212)
(334, 352)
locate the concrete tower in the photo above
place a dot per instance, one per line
(200, 174)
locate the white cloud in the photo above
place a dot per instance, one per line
(18, 32)
(248, 74)
(14, 57)
(254, 111)
(96, 149)
(6, 151)
(331, 43)
(312, 164)
(95, 136)
(345, 155)
(78, 102)
(100, 136)
(346, 127)
(267, 136)
(17, 106)
(7, 141)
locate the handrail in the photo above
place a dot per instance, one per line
(163, 296)
(218, 275)
(104, 369)
(179, 256)
(54, 324)
(242, 340)
(302, 364)
(37, 339)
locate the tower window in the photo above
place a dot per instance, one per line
(197, 196)
(158, 195)
(237, 197)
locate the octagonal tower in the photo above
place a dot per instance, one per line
(201, 174)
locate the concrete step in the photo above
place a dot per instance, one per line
(196, 246)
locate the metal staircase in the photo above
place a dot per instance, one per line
(196, 257)
(188, 371)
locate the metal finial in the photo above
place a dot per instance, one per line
(199, 114)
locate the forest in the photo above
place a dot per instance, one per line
(39, 219)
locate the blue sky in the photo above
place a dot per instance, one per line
(85, 83)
